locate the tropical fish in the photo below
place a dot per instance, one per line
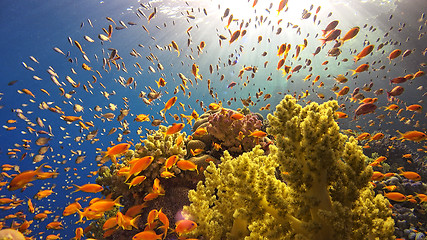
(366, 51)
(350, 34)
(90, 187)
(176, 127)
(364, 108)
(118, 149)
(361, 68)
(334, 34)
(415, 136)
(169, 104)
(395, 196)
(22, 179)
(331, 26)
(185, 226)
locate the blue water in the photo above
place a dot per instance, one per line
(33, 28)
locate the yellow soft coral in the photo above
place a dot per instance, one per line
(321, 190)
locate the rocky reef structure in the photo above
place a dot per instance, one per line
(409, 215)
(231, 134)
(313, 184)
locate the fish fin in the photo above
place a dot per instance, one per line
(80, 217)
(356, 59)
(78, 188)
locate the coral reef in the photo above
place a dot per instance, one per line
(160, 147)
(321, 191)
(410, 215)
(230, 134)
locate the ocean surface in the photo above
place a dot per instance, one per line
(35, 28)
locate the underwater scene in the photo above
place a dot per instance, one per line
(213, 119)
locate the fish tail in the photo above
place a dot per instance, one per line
(356, 59)
(354, 71)
(134, 221)
(127, 178)
(39, 168)
(324, 32)
(78, 188)
(323, 41)
(389, 96)
(338, 95)
(117, 201)
(401, 134)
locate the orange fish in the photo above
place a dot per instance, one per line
(380, 159)
(167, 174)
(138, 165)
(234, 36)
(343, 91)
(79, 233)
(135, 210)
(282, 5)
(391, 107)
(147, 235)
(175, 46)
(171, 161)
(184, 226)
(281, 49)
(332, 35)
(395, 196)
(377, 136)
(104, 205)
(363, 136)
(71, 209)
(350, 34)
(394, 54)
(43, 194)
(236, 116)
(415, 136)
(419, 74)
(187, 165)
(415, 108)
(54, 225)
(142, 118)
(20, 180)
(176, 127)
(71, 118)
(118, 149)
(411, 175)
(90, 188)
(126, 222)
(161, 82)
(169, 103)
(377, 176)
(361, 68)
(258, 134)
(367, 50)
(28, 92)
(390, 188)
(201, 131)
(135, 181)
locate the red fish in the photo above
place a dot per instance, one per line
(396, 91)
(364, 109)
(331, 26)
(331, 36)
(231, 85)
